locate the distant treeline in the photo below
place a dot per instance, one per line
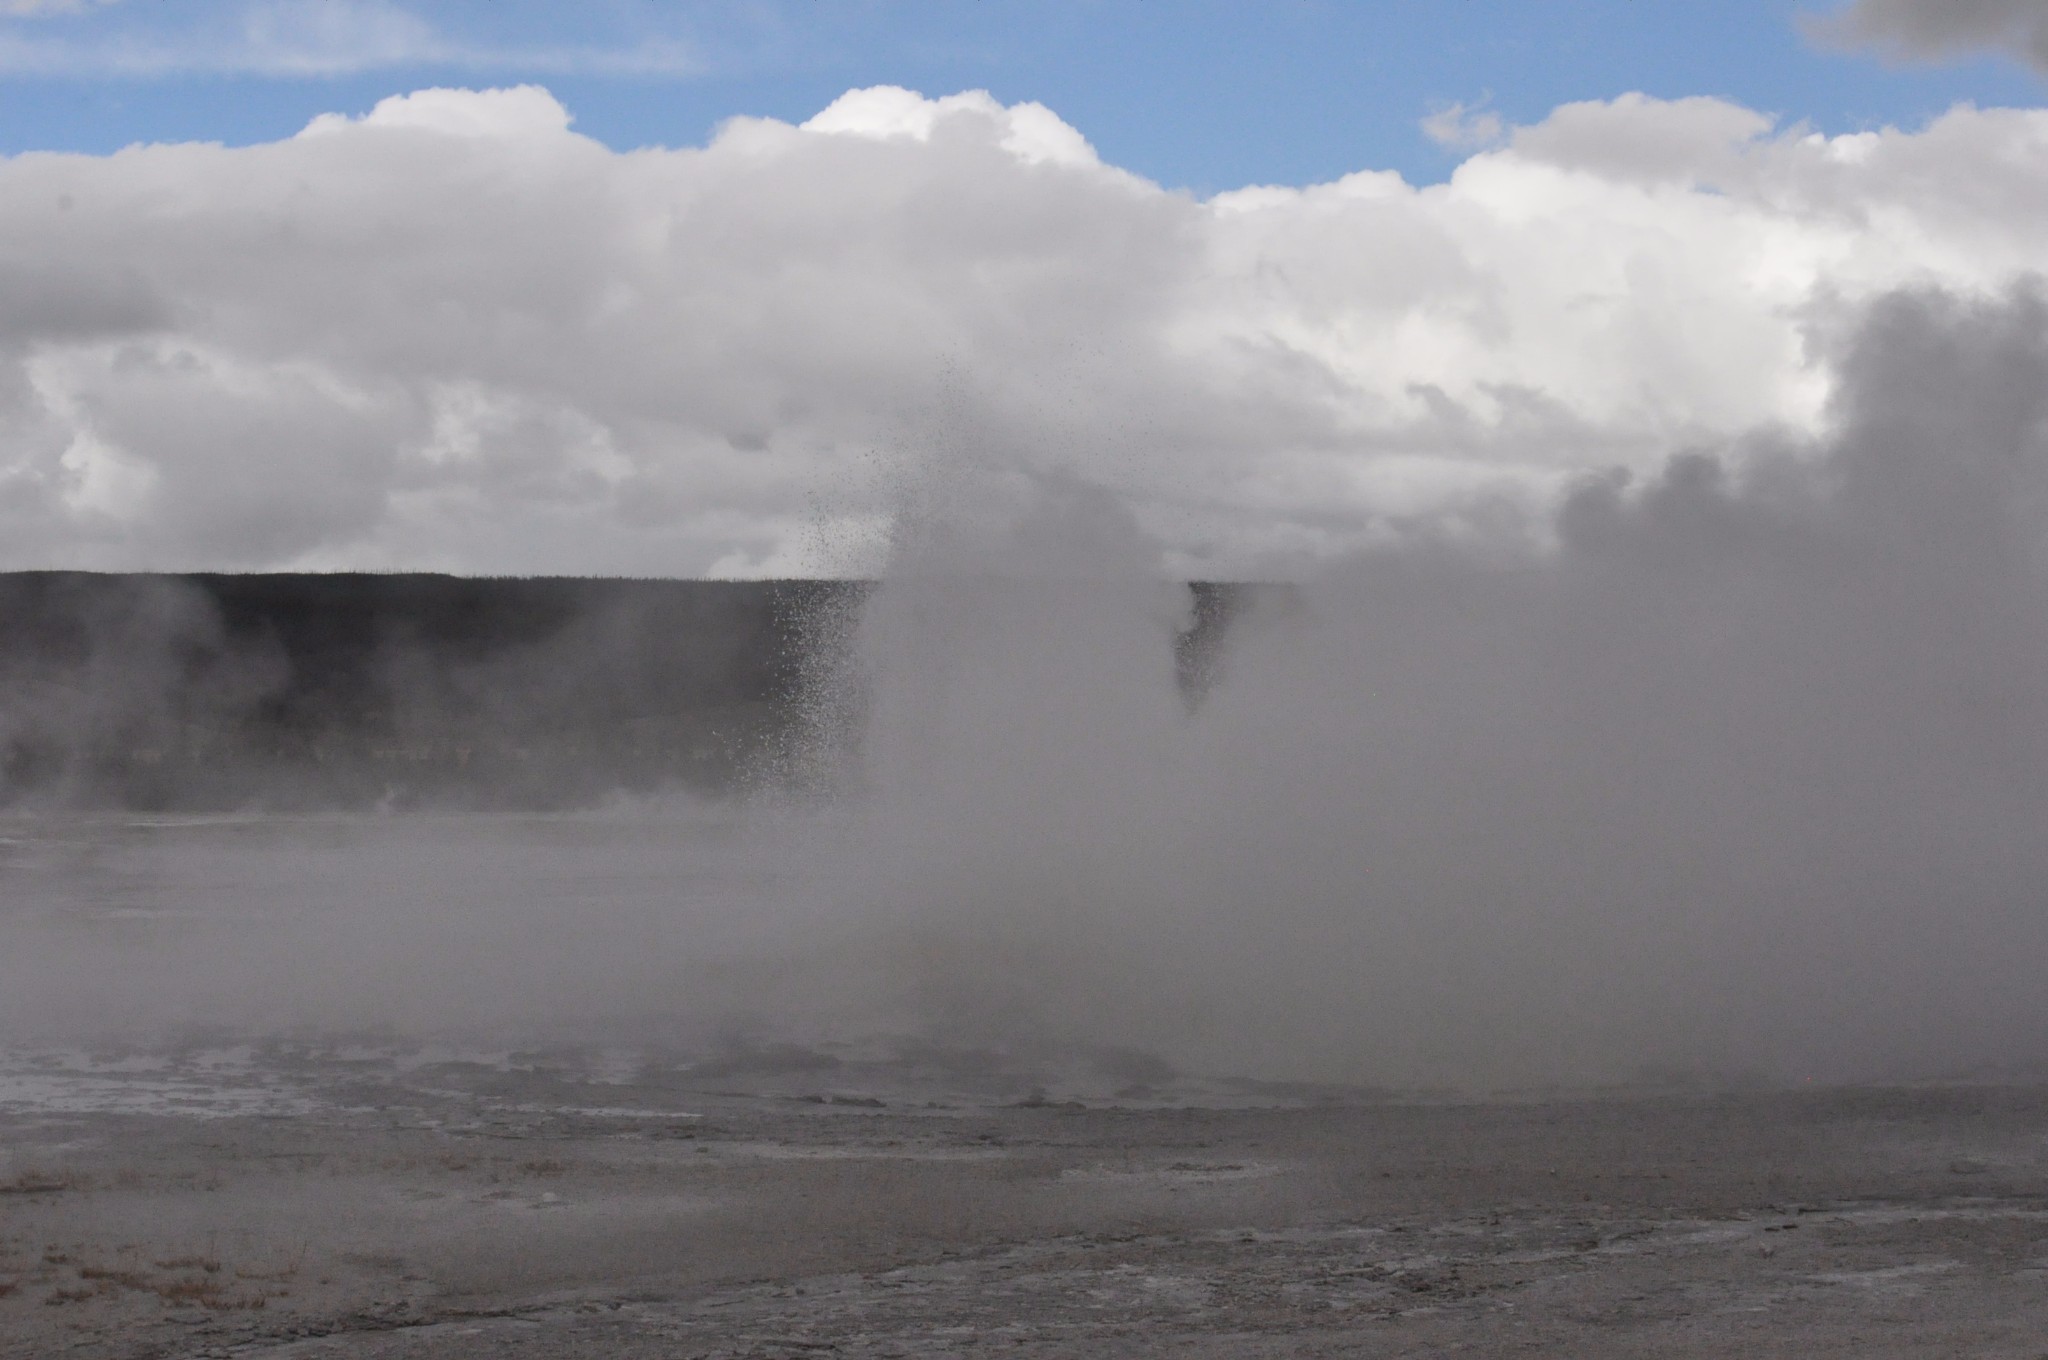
(200, 692)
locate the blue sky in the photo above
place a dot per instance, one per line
(1204, 94)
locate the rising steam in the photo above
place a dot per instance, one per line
(1738, 770)
(1745, 772)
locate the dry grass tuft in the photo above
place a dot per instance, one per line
(205, 1263)
(42, 1183)
(205, 1286)
(208, 1294)
(105, 1276)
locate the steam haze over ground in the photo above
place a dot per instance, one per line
(1733, 770)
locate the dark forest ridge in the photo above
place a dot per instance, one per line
(308, 690)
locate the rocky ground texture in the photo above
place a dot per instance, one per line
(335, 1201)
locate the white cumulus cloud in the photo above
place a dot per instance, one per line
(453, 333)
(1464, 127)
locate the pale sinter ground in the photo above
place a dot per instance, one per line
(323, 1200)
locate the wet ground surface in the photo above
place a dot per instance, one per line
(357, 1200)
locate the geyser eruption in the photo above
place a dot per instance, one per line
(1008, 725)
(1738, 772)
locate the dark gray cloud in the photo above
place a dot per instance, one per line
(40, 304)
(1925, 29)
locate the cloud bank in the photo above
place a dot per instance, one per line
(454, 334)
